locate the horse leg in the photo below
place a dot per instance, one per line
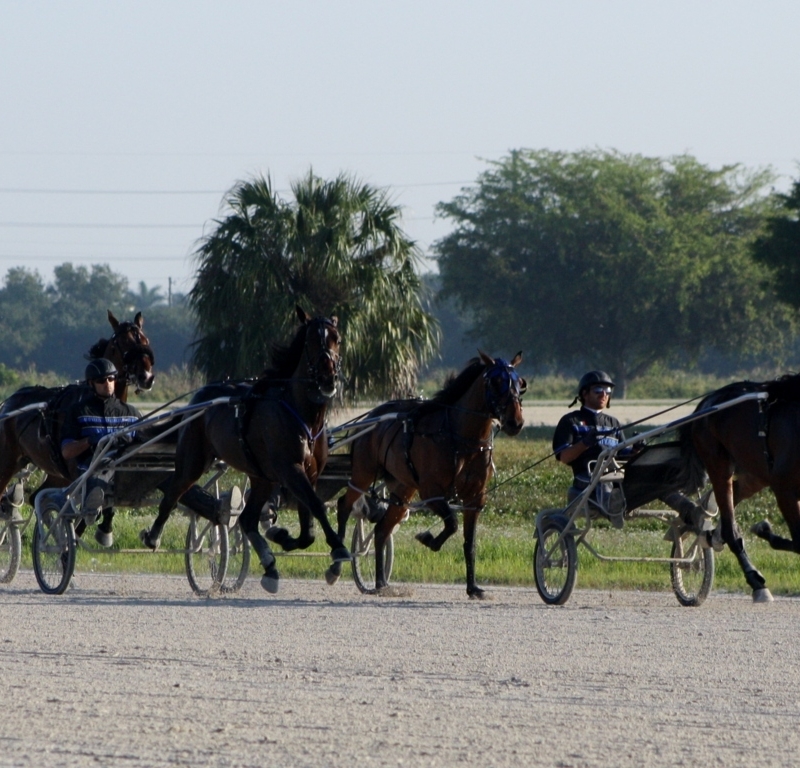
(174, 487)
(295, 479)
(248, 520)
(787, 497)
(724, 493)
(344, 506)
(450, 520)
(470, 529)
(289, 543)
(384, 528)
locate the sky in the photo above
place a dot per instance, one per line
(123, 124)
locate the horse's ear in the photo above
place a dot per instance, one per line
(138, 321)
(486, 359)
(113, 320)
(302, 315)
(517, 360)
(334, 321)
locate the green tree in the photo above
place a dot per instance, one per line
(779, 246)
(612, 261)
(24, 312)
(79, 298)
(335, 249)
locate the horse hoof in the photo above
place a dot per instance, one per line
(762, 596)
(762, 529)
(331, 577)
(341, 555)
(269, 581)
(144, 537)
(426, 538)
(476, 594)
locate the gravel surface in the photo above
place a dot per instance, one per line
(128, 670)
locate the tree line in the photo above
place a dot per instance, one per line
(591, 259)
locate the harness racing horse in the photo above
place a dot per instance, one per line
(748, 447)
(34, 437)
(269, 432)
(441, 448)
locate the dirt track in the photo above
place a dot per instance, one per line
(135, 671)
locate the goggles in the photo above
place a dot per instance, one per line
(602, 390)
(103, 379)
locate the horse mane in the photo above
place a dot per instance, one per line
(284, 361)
(455, 387)
(96, 350)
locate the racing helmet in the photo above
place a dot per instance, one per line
(99, 369)
(594, 377)
(588, 379)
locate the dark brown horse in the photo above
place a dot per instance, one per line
(441, 448)
(269, 431)
(745, 448)
(33, 437)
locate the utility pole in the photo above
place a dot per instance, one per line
(169, 292)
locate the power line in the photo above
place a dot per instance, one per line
(97, 226)
(42, 191)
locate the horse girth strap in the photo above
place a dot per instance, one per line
(242, 415)
(763, 431)
(410, 431)
(408, 441)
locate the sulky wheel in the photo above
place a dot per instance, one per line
(54, 550)
(10, 550)
(238, 560)
(206, 555)
(363, 553)
(691, 582)
(555, 563)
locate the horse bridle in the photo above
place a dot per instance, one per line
(139, 339)
(511, 386)
(325, 353)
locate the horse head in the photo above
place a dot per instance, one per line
(503, 390)
(321, 352)
(129, 349)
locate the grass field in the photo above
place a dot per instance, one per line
(523, 485)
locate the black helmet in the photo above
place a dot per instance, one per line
(99, 369)
(594, 377)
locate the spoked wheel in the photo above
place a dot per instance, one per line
(238, 560)
(363, 551)
(555, 565)
(10, 550)
(54, 550)
(206, 555)
(691, 582)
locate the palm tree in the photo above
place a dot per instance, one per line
(335, 249)
(146, 297)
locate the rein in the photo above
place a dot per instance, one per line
(310, 436)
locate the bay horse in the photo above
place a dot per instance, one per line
(270, 431)
(33, 437)
(440, 448)
(748, 447)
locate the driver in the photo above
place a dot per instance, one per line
(582, 435)
(85, 424)
(101, 414)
